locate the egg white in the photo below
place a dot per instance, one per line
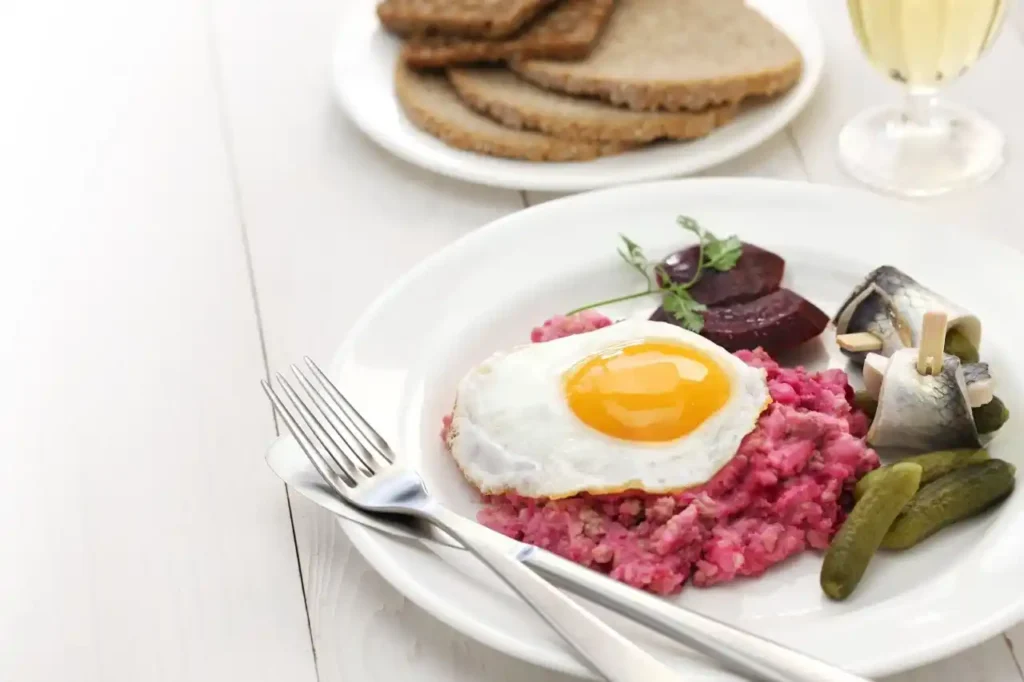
(513, 431)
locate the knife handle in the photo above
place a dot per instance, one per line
(746, 654)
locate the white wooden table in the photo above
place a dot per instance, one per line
(182, 209)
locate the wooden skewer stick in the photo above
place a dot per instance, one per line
(859, 342)
(933, 340)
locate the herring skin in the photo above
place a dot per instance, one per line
(891, 305)
(923, 412)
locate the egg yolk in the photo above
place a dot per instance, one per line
(650, 391)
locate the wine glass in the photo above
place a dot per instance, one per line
(927, 146)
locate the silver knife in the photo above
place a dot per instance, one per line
(741, 652)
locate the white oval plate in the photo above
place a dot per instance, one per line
(364, 63)
(486, 291)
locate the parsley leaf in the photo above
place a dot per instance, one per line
(722, 254)
(634, 256)
(682, 306)
(633, 250)
(691, 225)
(717, 254)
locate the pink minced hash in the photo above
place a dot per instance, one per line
(560, 325)
(786, 490)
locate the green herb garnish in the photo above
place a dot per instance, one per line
(716, 254)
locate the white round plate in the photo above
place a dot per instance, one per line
(364, 63)
(486, 291)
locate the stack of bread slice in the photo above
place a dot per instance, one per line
(571, 80)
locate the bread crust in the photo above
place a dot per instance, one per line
(467, 18)
(517, 104)
(675, 55)
(569, 30)
(431, 104)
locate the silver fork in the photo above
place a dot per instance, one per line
(357, 463)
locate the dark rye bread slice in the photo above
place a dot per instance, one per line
(431, 103)
(503, 96)
(467, 18)
(675, 55)
(569, 30)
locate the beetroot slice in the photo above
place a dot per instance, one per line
(779, 321)
(757, 273)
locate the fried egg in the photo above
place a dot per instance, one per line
(637, 405)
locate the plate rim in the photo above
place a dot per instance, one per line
(512, 179)
(372, 546)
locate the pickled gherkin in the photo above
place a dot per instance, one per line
(990, 416)
(960, 494)
(866, 403)
(957, 344)
(857, 541)
(933, 465)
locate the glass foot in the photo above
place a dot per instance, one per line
(925, 150)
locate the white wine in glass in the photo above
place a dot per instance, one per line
(927, 146)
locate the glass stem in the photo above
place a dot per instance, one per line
(917, 109)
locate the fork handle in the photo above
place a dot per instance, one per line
(604, 649)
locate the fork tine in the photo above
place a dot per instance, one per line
(338, 482)
(355, 420)
(344, 462)
(353, 449)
